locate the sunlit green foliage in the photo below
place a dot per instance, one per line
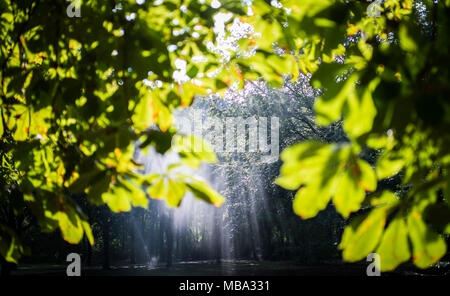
(78, 93)
(389, 85)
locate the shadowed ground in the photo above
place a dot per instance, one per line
(236, 268)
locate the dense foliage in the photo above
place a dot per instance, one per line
(391, 91)
(77, 93)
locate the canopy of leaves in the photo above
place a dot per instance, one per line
(78, 93)
(389, 88)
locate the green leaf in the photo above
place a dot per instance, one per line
(329, 106)
(360, 243)
(10, 246)
(368, 179)
(40, 121)
(175, 193)
(394, 247)
(387, 166)
(350, 230)
(136, 194)
(356, 179)
(193, 150)
(162, 141)
(220, 84)
(407, 43)
(117, 199)
(94, 195)
(377, 142)
(321, 173)
(157, 189)
(360, 111)
(87, 229)
(172, 190)
(1, 127)
(202, 190)
(349, 194)
(143, 113)
(192, 72)
(282, 65)
(70, 225)
(327, 73)
(311, 199)
(20, 119)
(84, 181)
(428, 246)
(325, 170)
(386, 198)
(265, 29)
(301, 163)
(309, 8)
(124, 194)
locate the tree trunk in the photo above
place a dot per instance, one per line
(150, 240)
(161, 250)
(184, 245)
(88, 245)
(169, 238)
(106, 264)
(132, 225)
(124, 232)
(89, 255)
(218, 234)
(267, 238)
(251, 231)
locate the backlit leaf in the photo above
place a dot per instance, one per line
(367, 235)
(428, 246)
(394, 246)
(202, 190)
